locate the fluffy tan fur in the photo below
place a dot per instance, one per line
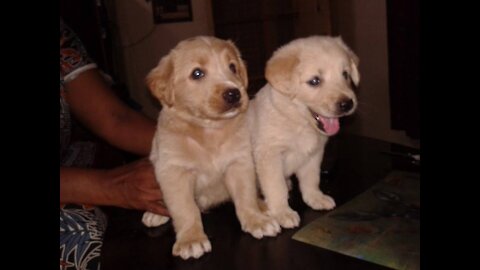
(201, 150)
(285, 136)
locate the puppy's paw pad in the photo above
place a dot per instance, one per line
(319, 201)
(259, 225)
(191, 248)
(287, 218)
(153, 220)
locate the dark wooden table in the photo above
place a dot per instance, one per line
(352, 164)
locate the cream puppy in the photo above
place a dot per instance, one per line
(310, 85)
(201, 151)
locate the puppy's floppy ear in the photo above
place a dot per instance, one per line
(354, 61)
(158, 81)
(242, 69)
(279, 72)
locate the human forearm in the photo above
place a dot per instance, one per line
(84, 186)
(93, 102)
(133, 132)
(130, 186)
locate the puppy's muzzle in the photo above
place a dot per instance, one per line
(344, 105)
(232, 97)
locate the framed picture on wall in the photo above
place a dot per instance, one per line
(167, 11)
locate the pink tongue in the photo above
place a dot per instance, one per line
(330, 125)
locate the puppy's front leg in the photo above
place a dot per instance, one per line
(240, 182)
(274, 187)
(178, 190)
(309, 181)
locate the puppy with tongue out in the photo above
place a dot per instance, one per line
(311, 83)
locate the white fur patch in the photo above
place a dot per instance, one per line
(192, 250)
(154, 220)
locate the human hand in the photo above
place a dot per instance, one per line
(134, 187)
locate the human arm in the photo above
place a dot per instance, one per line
(131, 186)
(93, 102)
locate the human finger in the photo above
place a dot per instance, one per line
(158, 208)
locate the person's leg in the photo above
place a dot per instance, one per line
(81, 237)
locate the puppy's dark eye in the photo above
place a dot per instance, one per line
(315, 81)
(197, 74)
(233, 68)
(345, 75)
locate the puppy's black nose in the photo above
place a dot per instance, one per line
(232, 96)
(345, 105)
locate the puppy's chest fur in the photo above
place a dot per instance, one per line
(288, 130)
(302, 144)
(213, 151)
(205, 152)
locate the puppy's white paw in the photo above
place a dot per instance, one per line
(260, 225)
(287, 218)
(191, 247)
(153, 220)
(319, 201)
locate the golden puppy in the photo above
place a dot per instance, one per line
(310, 82)
(201, 150)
